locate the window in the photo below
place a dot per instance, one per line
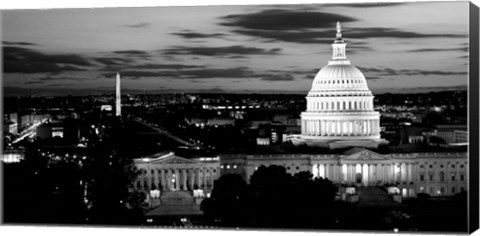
(441, 166)
(430, 166)
(234, 166)
(462, 177)
(462, 189)
(228, 166)
(453, 176)
(288, 167)
(453, 189)
(453, 166)
(442, 176)
(442, 190)
(422, 177)
(297, 167)
(461, 166)
(421, 166)
(431, 177)
(214, 170)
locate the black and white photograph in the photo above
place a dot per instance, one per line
(319, 117)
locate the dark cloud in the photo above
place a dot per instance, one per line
(390, 72)
(310, 36)
(42, 80)
(34, 82)
(24, 60)
(190, 34)
(284, 20)
(206, 73)
(9, 43)
(307, 36)
(462, 49)
(310, 76)
(366, 5)
(139, 25)
(277, 77)
(165, 66)
(220, 51)
(113, 61)
(377, 32)
(132, 52)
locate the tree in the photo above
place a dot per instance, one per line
(274, 198)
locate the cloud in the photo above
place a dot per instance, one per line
(43, 80)
(317, 37)
(377, 32)
(365, 5)
(113, 61)
(327, 36)
(390, 72)
(18, 43)
(34, 82)
(132, 53)
(220, 51)
(139, 25)
(462, 49)
(165, 66)
(190, 34)
(206, 73)
(277, 77)
(25, 60)
(279, 19)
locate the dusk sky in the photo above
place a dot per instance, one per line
(400, 47)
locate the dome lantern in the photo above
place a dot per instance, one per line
(339, 45)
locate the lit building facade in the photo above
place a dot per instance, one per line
(340, 106)
(438, 174)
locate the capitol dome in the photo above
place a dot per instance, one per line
(340, 105)
(339, 77)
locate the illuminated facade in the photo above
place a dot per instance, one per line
(169, 172)
(438, 174)
(340, 106)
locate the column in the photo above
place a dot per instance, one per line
(197, 176)
(191, 173)
(212, 177)
(204, 172)
(409, 171)
(177, 179)
(327, 171)
(162, 178)
(167, 179)
(353, 173)
(156, 179)
(322, 127)
(184, 179)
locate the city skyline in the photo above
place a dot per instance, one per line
(263, 48)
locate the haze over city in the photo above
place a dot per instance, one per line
(400, 47)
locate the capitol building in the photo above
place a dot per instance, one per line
(339, 114)
(340, 106)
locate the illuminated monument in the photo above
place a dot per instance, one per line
(118, 101)
(340, 106)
